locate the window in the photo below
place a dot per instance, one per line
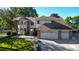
(38, 22)
(21, 22)
(21, 29)
(51, 21)
(32, 23)
(25, 29)
(25, 22)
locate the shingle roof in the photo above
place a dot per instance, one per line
(44, 18)
(54, 25)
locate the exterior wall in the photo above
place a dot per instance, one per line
(59, 34)
(40, 23)
(14, 26)
(43, 22)
(38, 34)
(70, 35)
(22, 26)
(78, 35)
(73, 36)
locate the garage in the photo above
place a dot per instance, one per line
(49, 35)
(54, 31)
(65, 35)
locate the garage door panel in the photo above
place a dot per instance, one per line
(49, 35)
(65, 35)
(43, 35)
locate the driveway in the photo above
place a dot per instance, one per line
(54, 46)
(51, 45)
(48, 45)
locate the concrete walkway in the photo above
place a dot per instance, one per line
(3, 35)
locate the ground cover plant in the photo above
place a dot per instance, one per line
(15, 44)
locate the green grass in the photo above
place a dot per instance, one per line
(19, 44)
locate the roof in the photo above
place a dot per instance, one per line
(44, 18)
(53, 26)
(18, 18)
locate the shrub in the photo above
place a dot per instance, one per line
(14, 33)
(18, 44)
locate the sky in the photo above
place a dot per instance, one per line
(61, 11)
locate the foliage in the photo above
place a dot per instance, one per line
(7, 43)
(6, 15)
(73, 21)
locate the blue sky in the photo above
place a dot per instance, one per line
(62, 11)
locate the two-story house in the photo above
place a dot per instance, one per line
(46, 27)
(21, 25)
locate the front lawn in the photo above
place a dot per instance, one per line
(19, 44)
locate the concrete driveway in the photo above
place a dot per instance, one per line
(48, 45)
(51, 45)
(54, 46)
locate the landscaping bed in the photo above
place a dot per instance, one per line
(15, 44)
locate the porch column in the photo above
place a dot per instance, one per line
(59, 34)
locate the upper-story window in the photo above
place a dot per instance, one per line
(51, 21)
(37, 22)
(21, 22)
(32, 23)
(25, 22)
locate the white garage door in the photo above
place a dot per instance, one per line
(48, 35)
(65, 35)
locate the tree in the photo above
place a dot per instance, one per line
(6, 15)
(76, 17)
(73, 21)
(24, 11)
(3, 21)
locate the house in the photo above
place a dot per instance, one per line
(56, 29)
(21, 25)
(45, 27)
